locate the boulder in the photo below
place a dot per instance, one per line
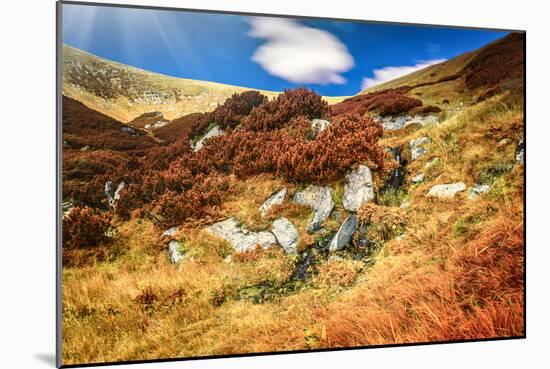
(239, 237)
(477, 190)
(170, 232)
(112, 194)
(214, 132)
(343, 236)
(446, 190)
(85, 148)
(416, 146)
(359, 188)
(320, 200)
(286, 235)
(174, 251)
(418, 179)
(520, 150)
(275, 199)
(319, 125)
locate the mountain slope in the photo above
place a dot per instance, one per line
(498, 65)
(84, 127)
(124, 92)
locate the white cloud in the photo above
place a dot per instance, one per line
(298, 53)
(388, 73)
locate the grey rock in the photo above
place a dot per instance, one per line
(418, 179)
(129, 131)
(405, 205)
(85, 148)
(239, 237)
(391, 123)
(174, 251)
(446, 190)
(343, 236)
(416, 146)
(320, 200)
(358, 189)
(520, 150)
(319, 125)
(112, 194)
(214, 132)
(170, 232)
(275, 199)
(477, 190)
(286, 235)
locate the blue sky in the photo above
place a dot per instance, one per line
(334, 58)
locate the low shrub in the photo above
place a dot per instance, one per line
(291, 103)
(85, 228)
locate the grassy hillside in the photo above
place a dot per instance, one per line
(418, 268)
(124, 92)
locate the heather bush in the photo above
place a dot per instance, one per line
(384, 102)
(85, 227)
(348, 140)
(229, 115)
(292, 103)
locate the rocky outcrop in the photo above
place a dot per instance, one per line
(343, 236)
(175, 252)
(214, 132)
(275, 199)
(112, 194)
(286, 235)
(239, 237)
(417, 147)
(319, 125)
(477, 190)
(446, 190)
(393, 123)
(320, 200)
(358, 189)
(520, 150)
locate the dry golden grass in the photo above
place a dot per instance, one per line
(458, 273)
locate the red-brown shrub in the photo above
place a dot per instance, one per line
(292, 103)
(200, 200)
(384, 102)
(235, 108)
(85, 228)
(348, 140)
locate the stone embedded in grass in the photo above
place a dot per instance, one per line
(343, 236)
(320, 200)
(239, 237)
(286, 235)
(174, 251)
(214, 132)
(416, 147)
(359, 188)
(275, 199)
(446, 190)
(418, 179)
(170, 232)
(477, 190)
(504, 141)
